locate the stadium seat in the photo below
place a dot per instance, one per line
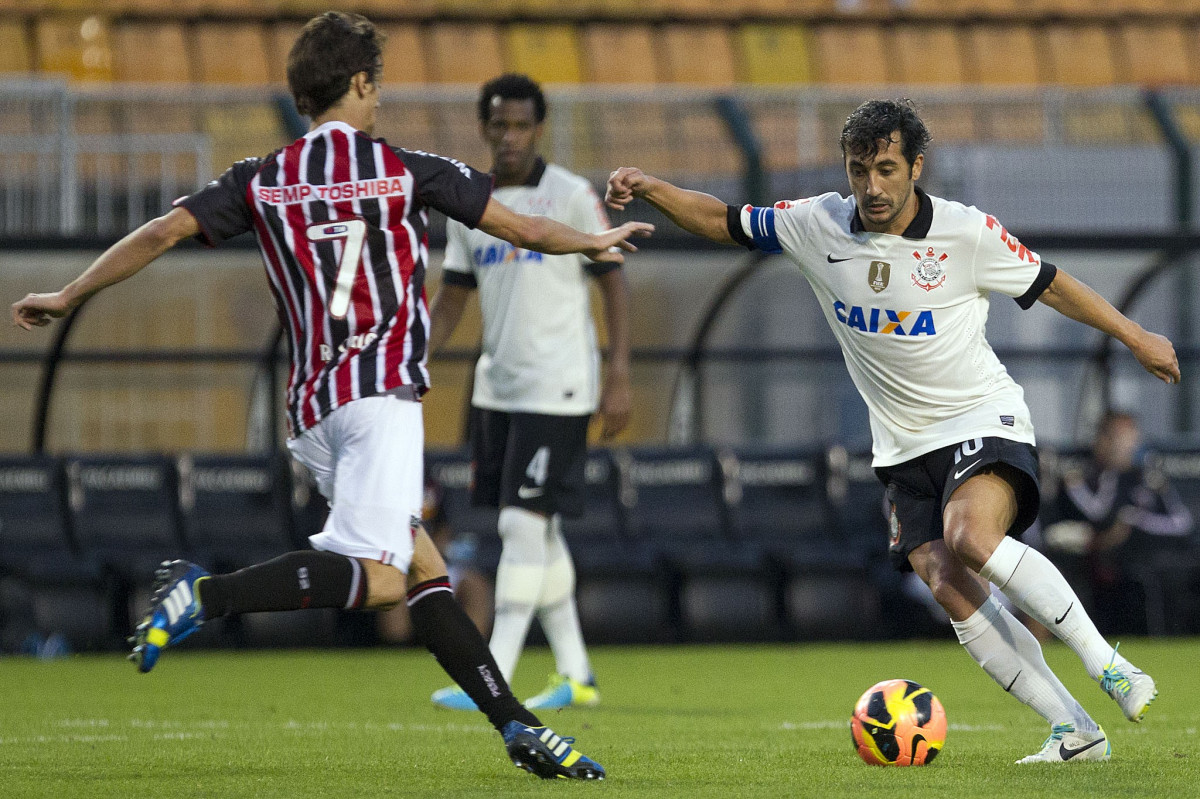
(698, 54)
(281, 35)
(74, 46)
(619, 54)
(234, 508)
(674, 503)
(621, 593)
(778, 499)
(779, 54)
(860, 528)
(776, 494)
(123, 511)
(214, 41)
(1064, 45)
(403, 55)
(150, 52)
(851, 55)
(928, 54)
(615, 135)
(1154, 54)
(34, 530)
(546, 53)
(1003, 55)
(16, 56)
(450, 41)
(47, 586)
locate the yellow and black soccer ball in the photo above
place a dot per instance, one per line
(898, 723)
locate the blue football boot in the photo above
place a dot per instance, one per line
(174, 612)
(563, 692)
(453, 698)
(540, 751)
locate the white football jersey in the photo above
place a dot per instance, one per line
(909, 312)
(539, 343)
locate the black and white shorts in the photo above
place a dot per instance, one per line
(533, 461)
(918, 490)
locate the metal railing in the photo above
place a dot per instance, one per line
(92, 160)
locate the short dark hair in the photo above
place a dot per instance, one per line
(875, 121)
(511, 86)
(332, 49)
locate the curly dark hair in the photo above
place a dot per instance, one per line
(511, 86)
(875, 121)
(332, 49)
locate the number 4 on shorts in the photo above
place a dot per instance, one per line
(539, 466)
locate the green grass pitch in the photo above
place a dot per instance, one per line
(766, 721)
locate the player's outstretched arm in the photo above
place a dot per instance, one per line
(1080, 302)
(121, 261)
(545, 235)
(694, 211)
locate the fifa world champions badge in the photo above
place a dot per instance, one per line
(929, 273)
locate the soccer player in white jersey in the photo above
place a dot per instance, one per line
(903, 279)
(341, 219)
(536, 384)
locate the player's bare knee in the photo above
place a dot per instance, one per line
(385, 585)
(427, 562)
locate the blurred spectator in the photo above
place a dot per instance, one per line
(1128, 526)
(472, 588)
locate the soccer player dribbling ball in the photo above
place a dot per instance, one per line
(903, 280)
(340, 218)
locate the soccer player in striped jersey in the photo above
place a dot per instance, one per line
(340, 218)
(903, 280)
(537, 383)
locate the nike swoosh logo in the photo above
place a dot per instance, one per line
(833, 260)
(961, 472)
(1014, 682)
(1067, 754)
(1059, 620)
(529, 492)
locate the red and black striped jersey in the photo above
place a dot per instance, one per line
(341, 220)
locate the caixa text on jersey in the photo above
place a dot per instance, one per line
(885, 320)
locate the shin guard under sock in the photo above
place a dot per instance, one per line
(297, 580)
(447, 632)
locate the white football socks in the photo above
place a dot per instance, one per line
(557, 612)
(519, 578)
(1012, 657)
(1037, 587)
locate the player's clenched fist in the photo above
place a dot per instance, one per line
(623, 186)
(36, 310)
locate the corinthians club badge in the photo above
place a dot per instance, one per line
(929, 273)
(878, 275)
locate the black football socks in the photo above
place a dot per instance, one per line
(447, 632)
(297, 580)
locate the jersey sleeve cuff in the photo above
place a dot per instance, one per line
(473, 221)
(453, 277)
(1040, 284)
(205, 235)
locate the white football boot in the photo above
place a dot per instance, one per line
(1067, 746)
(1132, 688)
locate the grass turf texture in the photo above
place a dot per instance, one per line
(674, 722)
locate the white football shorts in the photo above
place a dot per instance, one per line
(367, 457)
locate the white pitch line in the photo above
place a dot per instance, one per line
(830, 724)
